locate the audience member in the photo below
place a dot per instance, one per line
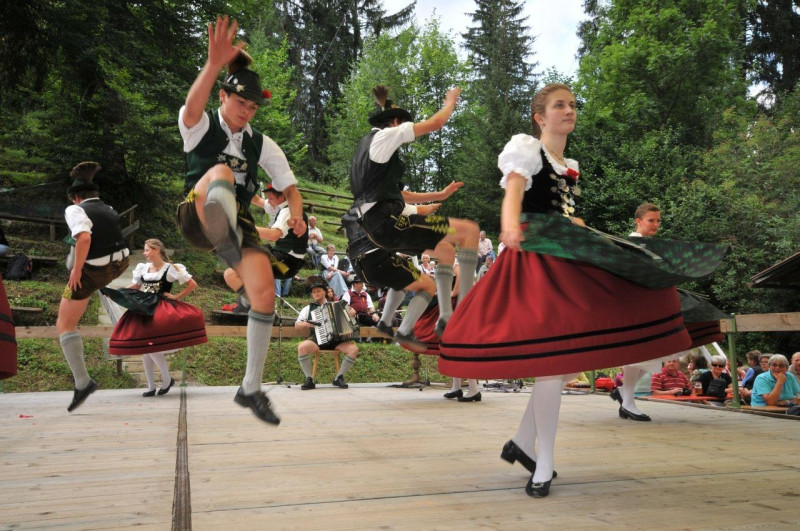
(330, 296)
(427, 267)
(485, 267)
(795, 367)
(670, 381)
(330, 271)
(485, 249)
(721, 380)
(310, 346)
(775, 387)
(360, 301)
(698, 366)
(315, 250)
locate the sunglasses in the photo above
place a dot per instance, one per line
(717, 365)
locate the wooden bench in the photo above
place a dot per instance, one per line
(311, 206)
(330, 195)
(335, 354)
(338, 225)
(37, 260)
(24, 314)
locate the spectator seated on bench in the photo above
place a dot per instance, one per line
(776, 387)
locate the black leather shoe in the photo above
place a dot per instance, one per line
(473, 398)
(441, 324)
(513, 453)
(410, 340)
(81, 395)
(616, 396)
(385, 330)
(625, 414)
(458, 393)
(340, 383)
(537, 490)
(151, 392)
(259, 404)
(309, 384)
(165, 390)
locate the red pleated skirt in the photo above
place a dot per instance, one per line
(537, 315)
(174, 325)
(704, 333)
(8, 342)
(423, 330)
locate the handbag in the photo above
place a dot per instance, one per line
(717, 388)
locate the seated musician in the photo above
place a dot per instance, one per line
(310, 346)
(360, 301)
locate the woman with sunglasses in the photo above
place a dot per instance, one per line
(717, 371)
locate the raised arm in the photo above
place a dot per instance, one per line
(440, 117)
(221, 51)
(425, 197)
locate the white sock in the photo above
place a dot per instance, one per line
(347, 363)
(419, 303)
(259, 329)
(163, 366)
(630, 376)
(72, 346)
(546, 399)
(472, 387)
(149, 372)
(223, 193)
(456, 385)
(305, 364)
(467, 261)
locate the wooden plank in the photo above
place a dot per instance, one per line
(49, 332)
(764, 322)
(310, 205)
(325, 194)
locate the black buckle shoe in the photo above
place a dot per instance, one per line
(165, 390)
(625, 414)
(473, 398)
(616, 396)
(385, 330)
(441, 324)
(81, 395)
(410, 340)
(259, 404)
(309, 384)
(537, 490)
(458, 393)
(148, 394)
(513, 453)
(219, 232)
(339, 382)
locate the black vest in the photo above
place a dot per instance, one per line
(162, 285)
(550, 192)
(292, 242)
(371, 181)
(106, 233)
(209, 152)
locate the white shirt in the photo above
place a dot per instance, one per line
(316, 232)
(385, 142)
(272, 157)
(176, 273)
(282, 224)
(523, 155)
(328, 262)
(78, 222)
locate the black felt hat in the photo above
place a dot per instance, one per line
(83, 174)
(319, 285)
(387, 109)
(244, 82)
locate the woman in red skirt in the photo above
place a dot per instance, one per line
(157, 322)
(585, 300)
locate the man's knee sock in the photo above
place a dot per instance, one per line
(259, 330)
(72, 345)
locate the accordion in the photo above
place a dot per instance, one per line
(333, 323)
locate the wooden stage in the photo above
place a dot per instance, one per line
(373, 457)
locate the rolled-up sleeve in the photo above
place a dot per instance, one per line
(77, 220)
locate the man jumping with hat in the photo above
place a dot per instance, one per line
(223, 153)
(380, 202)
(100, 256)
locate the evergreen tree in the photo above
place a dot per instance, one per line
(774, 47)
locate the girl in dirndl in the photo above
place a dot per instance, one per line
(570, 312)
(157, 322)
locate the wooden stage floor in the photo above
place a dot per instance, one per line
(373, 457)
